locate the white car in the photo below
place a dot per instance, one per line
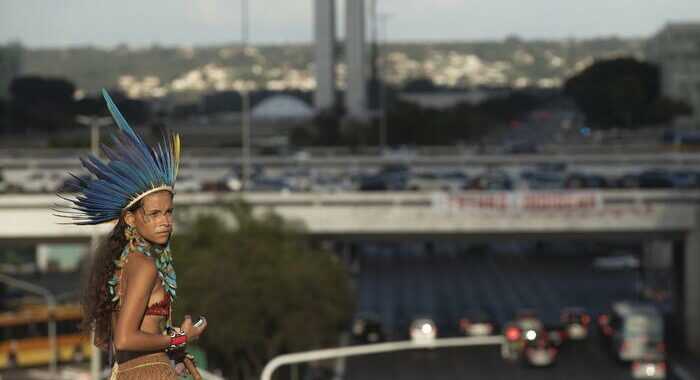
(651, 366)
(187, 184)
(616, 262)
(423, 331)
(42, 182)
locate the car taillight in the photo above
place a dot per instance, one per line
(661, 366)
(660, 347)
(635, 366)
(552, 351)
(603, 319)
(562, 334)
(513, 334)
(464, 323)
(607, 330)
(586, 319)
(489, 327)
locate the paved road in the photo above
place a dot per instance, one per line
(398, 282)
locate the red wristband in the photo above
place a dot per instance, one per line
(178, 340)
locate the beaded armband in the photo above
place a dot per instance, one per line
(178, 340)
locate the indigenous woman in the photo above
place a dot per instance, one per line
(130, 286)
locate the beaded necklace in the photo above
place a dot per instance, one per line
(164, 264)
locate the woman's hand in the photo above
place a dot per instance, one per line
(180, 368)
(191, 331)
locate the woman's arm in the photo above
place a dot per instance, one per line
(141, 277)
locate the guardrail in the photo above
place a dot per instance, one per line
(367, 349)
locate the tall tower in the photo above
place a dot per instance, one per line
(356, 87)
(324, 54)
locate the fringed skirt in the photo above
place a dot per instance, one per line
(148, 367)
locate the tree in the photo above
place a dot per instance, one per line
(621, 92)
(45, 103)
(263, 291)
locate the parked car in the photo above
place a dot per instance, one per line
(577, 322)
(437, 181)
(187, 184)
(330, 183)
(390, 181)
(492, 180)
(667, 179)
(617, 261)
(42, 182)
(585, 181)
(423, 331)
(476, 324)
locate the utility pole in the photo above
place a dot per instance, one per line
(95, 123)
(245, 103)
(381, 82)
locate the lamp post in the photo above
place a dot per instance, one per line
(51, 304)
(383, 17)
(245, 103)
(94, 122)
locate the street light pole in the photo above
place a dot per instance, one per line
(382, 86)
(245, 103)
(51, 304)
(94, 123)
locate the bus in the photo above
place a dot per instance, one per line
(682, 141)
(24, 338)
(634, 329)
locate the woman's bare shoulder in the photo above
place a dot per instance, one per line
(140, 264)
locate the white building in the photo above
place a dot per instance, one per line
(676, 50)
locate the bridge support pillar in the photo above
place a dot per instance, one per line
(691, 291)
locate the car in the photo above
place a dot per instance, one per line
(577, 322)
(633, 329)
(556, 333)
(585, 180)
(618, 261)
(544, 179)
(386, 180)
(437, 181)
(330, 183)
(492, 180)
(368, 329)
(476, 324)
(540, 352)
(527, 326)
(42, 182)
(187, 184)
(651, 366)
(667, 179)
(423, 331)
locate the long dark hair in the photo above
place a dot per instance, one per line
(95, 299)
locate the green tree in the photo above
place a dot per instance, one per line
(262, 289)
(622, 92)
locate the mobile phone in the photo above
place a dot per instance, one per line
(198, 322)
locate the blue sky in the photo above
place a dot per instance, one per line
(50, 23)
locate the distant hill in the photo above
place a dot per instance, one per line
(156, 70)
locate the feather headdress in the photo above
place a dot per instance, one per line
(134, 170)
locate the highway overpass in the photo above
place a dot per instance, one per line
(646, 216)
